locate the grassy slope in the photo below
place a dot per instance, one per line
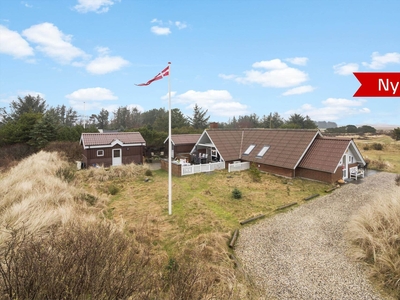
(390, 153)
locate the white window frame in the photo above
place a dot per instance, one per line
(263, 151)
(100, 151)
(248, 151)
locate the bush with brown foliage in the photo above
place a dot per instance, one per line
(83, 260)
(71, 150)
(11, 154)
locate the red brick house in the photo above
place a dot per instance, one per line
(112, 149)
(286, 152)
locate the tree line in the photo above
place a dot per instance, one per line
(31, 121)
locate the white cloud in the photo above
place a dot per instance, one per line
(299, 90)
(97, 6)
(26, 4)
(231, 76)
(22, 94)
(300, 61)
(13, 44)
(92, 94)
(164, 28)
(106, 64)
(278, 75)
(90, 98)
(53, 43)
(380, 61)
(180, 25)
(160, 30)
(156, 21)
(345, 69)
(139, 107)
(270, 64)
(217, 102)
(332, 109)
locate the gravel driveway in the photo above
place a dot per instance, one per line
(301, 254)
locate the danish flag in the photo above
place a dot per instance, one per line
(159, 76)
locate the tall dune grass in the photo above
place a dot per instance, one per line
(34, 198)
(375, 235)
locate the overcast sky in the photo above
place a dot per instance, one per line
(230, 57)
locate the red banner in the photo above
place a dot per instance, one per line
(375, 84)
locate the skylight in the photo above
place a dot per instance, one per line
(263, 151)
(247, 152)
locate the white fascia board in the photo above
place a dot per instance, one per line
(194, 147)
(167, 140)
(110, 146)
(355, 148)
(213, 145)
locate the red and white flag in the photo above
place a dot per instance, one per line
(159, 76)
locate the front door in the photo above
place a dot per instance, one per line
(116, 157)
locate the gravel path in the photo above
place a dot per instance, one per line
(301, 254)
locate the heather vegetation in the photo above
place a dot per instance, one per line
(382, 152)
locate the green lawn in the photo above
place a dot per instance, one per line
(203, 204)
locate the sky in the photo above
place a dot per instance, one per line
(232, 58)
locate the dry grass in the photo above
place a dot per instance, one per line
(375, 235)
(34, 198)
(52, 228)
(387, 159)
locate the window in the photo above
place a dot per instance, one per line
(247, 152)
(100, 152)
(263, 151)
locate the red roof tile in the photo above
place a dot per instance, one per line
(98, 139)
(287, 146)
(325, 154)
(181, 139)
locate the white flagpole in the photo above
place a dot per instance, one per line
(169, 145)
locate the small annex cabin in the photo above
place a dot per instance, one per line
(285, 152)
(182, 144)
(112, 149)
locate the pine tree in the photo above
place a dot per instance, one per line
(199, 120)
(43, 132)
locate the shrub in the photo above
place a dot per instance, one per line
(113, 189)
(72, 150)
(255, 173)
(366, 147)
(236, 194)
(66, 173)
(377, 146)
(88, 198)
(379, 164)
(148, 172)
(92, 261)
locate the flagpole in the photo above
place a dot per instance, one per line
(169, 145)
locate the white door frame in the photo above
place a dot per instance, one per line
(345, 163)
(117, 160)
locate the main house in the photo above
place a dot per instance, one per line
(286, 152)
(112, 149)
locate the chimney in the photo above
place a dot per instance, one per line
(213, 125)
